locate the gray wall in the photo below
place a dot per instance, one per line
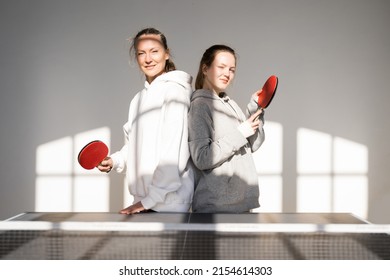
(65, 69)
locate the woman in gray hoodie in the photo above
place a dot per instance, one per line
(222, 138)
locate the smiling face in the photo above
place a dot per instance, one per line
(221, 72)
(151, 56)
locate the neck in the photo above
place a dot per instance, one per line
(213, 90)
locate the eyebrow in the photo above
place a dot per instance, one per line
(225, 65)
(150, 49)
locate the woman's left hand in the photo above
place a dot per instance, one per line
(255, 96)
(132, 209)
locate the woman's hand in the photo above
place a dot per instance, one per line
(249, 127)
(106, 165)
(255, 96)
(255, 120)
(135, 208)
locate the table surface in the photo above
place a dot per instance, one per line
(206, 218)
(191, 241)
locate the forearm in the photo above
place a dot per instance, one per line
(207, 153)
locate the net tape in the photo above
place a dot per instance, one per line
(220, 227)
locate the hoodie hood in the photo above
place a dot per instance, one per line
(180, 77)
(206, 93)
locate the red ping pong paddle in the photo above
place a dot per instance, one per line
(92, 154)
(268, 92)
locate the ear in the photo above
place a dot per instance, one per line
(204, 69)
(167, 55)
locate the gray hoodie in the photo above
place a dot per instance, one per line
(223, 156)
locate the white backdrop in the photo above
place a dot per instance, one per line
(65, 72)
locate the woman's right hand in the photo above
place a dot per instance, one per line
(255, 120)
(249, 127)
(106, 165)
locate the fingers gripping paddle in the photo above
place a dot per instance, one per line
(92, 154)
(268, 92)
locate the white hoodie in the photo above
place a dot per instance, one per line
(156, 155)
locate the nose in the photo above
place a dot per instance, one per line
(148, 58)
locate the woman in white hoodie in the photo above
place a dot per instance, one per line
(156, 156)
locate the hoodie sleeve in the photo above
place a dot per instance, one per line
(207, 152)
(257, 139)
(173, 148)
(120, 158)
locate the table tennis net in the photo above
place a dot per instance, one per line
(161, 241)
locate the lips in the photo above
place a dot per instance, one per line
(225, 81)
(149, 67)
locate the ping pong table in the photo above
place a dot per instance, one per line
(184, 236)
